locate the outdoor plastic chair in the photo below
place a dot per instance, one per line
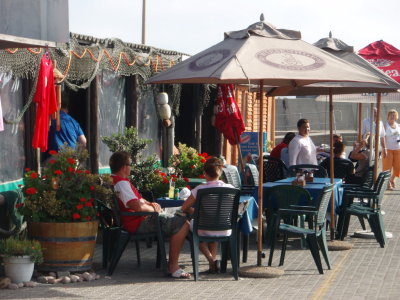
(318, 170)
(315, 237)
(251, 174)
(230, 174)
(370, 210)
(280, 197)
(341, 167)
(273, 169)
(216, 209)
(120, 238)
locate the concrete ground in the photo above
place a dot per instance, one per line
(364, 272)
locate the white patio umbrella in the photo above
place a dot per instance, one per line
(262, 54)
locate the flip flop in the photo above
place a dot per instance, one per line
(179, 273)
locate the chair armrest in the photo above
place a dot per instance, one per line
(139, 213)
(300, 207)
(286, 211)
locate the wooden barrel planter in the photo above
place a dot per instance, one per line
(66, 246)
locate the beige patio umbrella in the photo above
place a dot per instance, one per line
(341, 50)
(262, 54)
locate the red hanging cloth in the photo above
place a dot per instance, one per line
(228, 118)
(45, 98)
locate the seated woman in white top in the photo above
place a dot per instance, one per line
(212, 172)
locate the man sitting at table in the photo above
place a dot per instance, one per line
(342, 167)
(212, 171)
(130, 200)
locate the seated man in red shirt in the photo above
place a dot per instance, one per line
(276, 152)
(129, 199)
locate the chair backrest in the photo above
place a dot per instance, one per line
(251, 174)
(216, 209)
(319, 171)
(273, 169)
(323, 202)
(106, 215)
(283, 196)
(381, 184)
(341, 168)
(369, 177)
(230, 174)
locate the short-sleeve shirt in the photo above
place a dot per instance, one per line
(126, 193)
(392, 136)
(69, 132)
(302, 151)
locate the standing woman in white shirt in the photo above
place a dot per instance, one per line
(392, 137)
(301, 148)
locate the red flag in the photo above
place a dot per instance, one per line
(383, 56)
(228, 118)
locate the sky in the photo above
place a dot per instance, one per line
(190, 26)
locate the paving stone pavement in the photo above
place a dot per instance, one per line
(365, 272)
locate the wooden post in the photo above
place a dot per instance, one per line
(331, 163)
(260, 178)
(94, 126)
(359, 137)
(377, 136)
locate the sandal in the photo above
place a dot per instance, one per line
(215, 268)
(179, 273)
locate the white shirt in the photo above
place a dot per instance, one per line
(366, 127)
(302, 151)
(392, 135)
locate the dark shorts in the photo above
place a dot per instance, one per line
(169, 222)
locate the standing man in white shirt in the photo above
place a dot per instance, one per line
(366, 127)
(301, 148)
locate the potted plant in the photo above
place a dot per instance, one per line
(161, 186)
(19, 257)
(61, 212)
(188, 163)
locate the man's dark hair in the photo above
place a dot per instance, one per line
(288, 137)
(301, 122)
(213, 167)
(118, 160)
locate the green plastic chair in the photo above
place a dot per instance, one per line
(119, 239)
(319, 171)
(315, 237)
(216, 209)
(370, 210)
(279, 197)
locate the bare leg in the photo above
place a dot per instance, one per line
(210, 252)
(175, 246)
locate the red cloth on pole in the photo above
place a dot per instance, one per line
(227, 114)
(45, 98)
(383, 56)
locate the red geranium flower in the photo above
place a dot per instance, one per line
(71, 170)
(52, 161)
(89, 204)
(186, 179)
(34, 175)
(202, 160)
(53, 152)
(18, 205)
(79, 206)
(82, 199)
(76, 216)
(58, 172)
(202, 176)
(87, 172)
(31, 191)
(163, 174)
(165, 180)
(88, 218)
(92, 188)
(91, 199)
(193, 167)
(27, 169)
(71, 160)
(79, 171)
(188, 187)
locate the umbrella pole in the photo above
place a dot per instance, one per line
(359, 122)
(240, 152)
(260, 177)
(331, 162)
(377, 130)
